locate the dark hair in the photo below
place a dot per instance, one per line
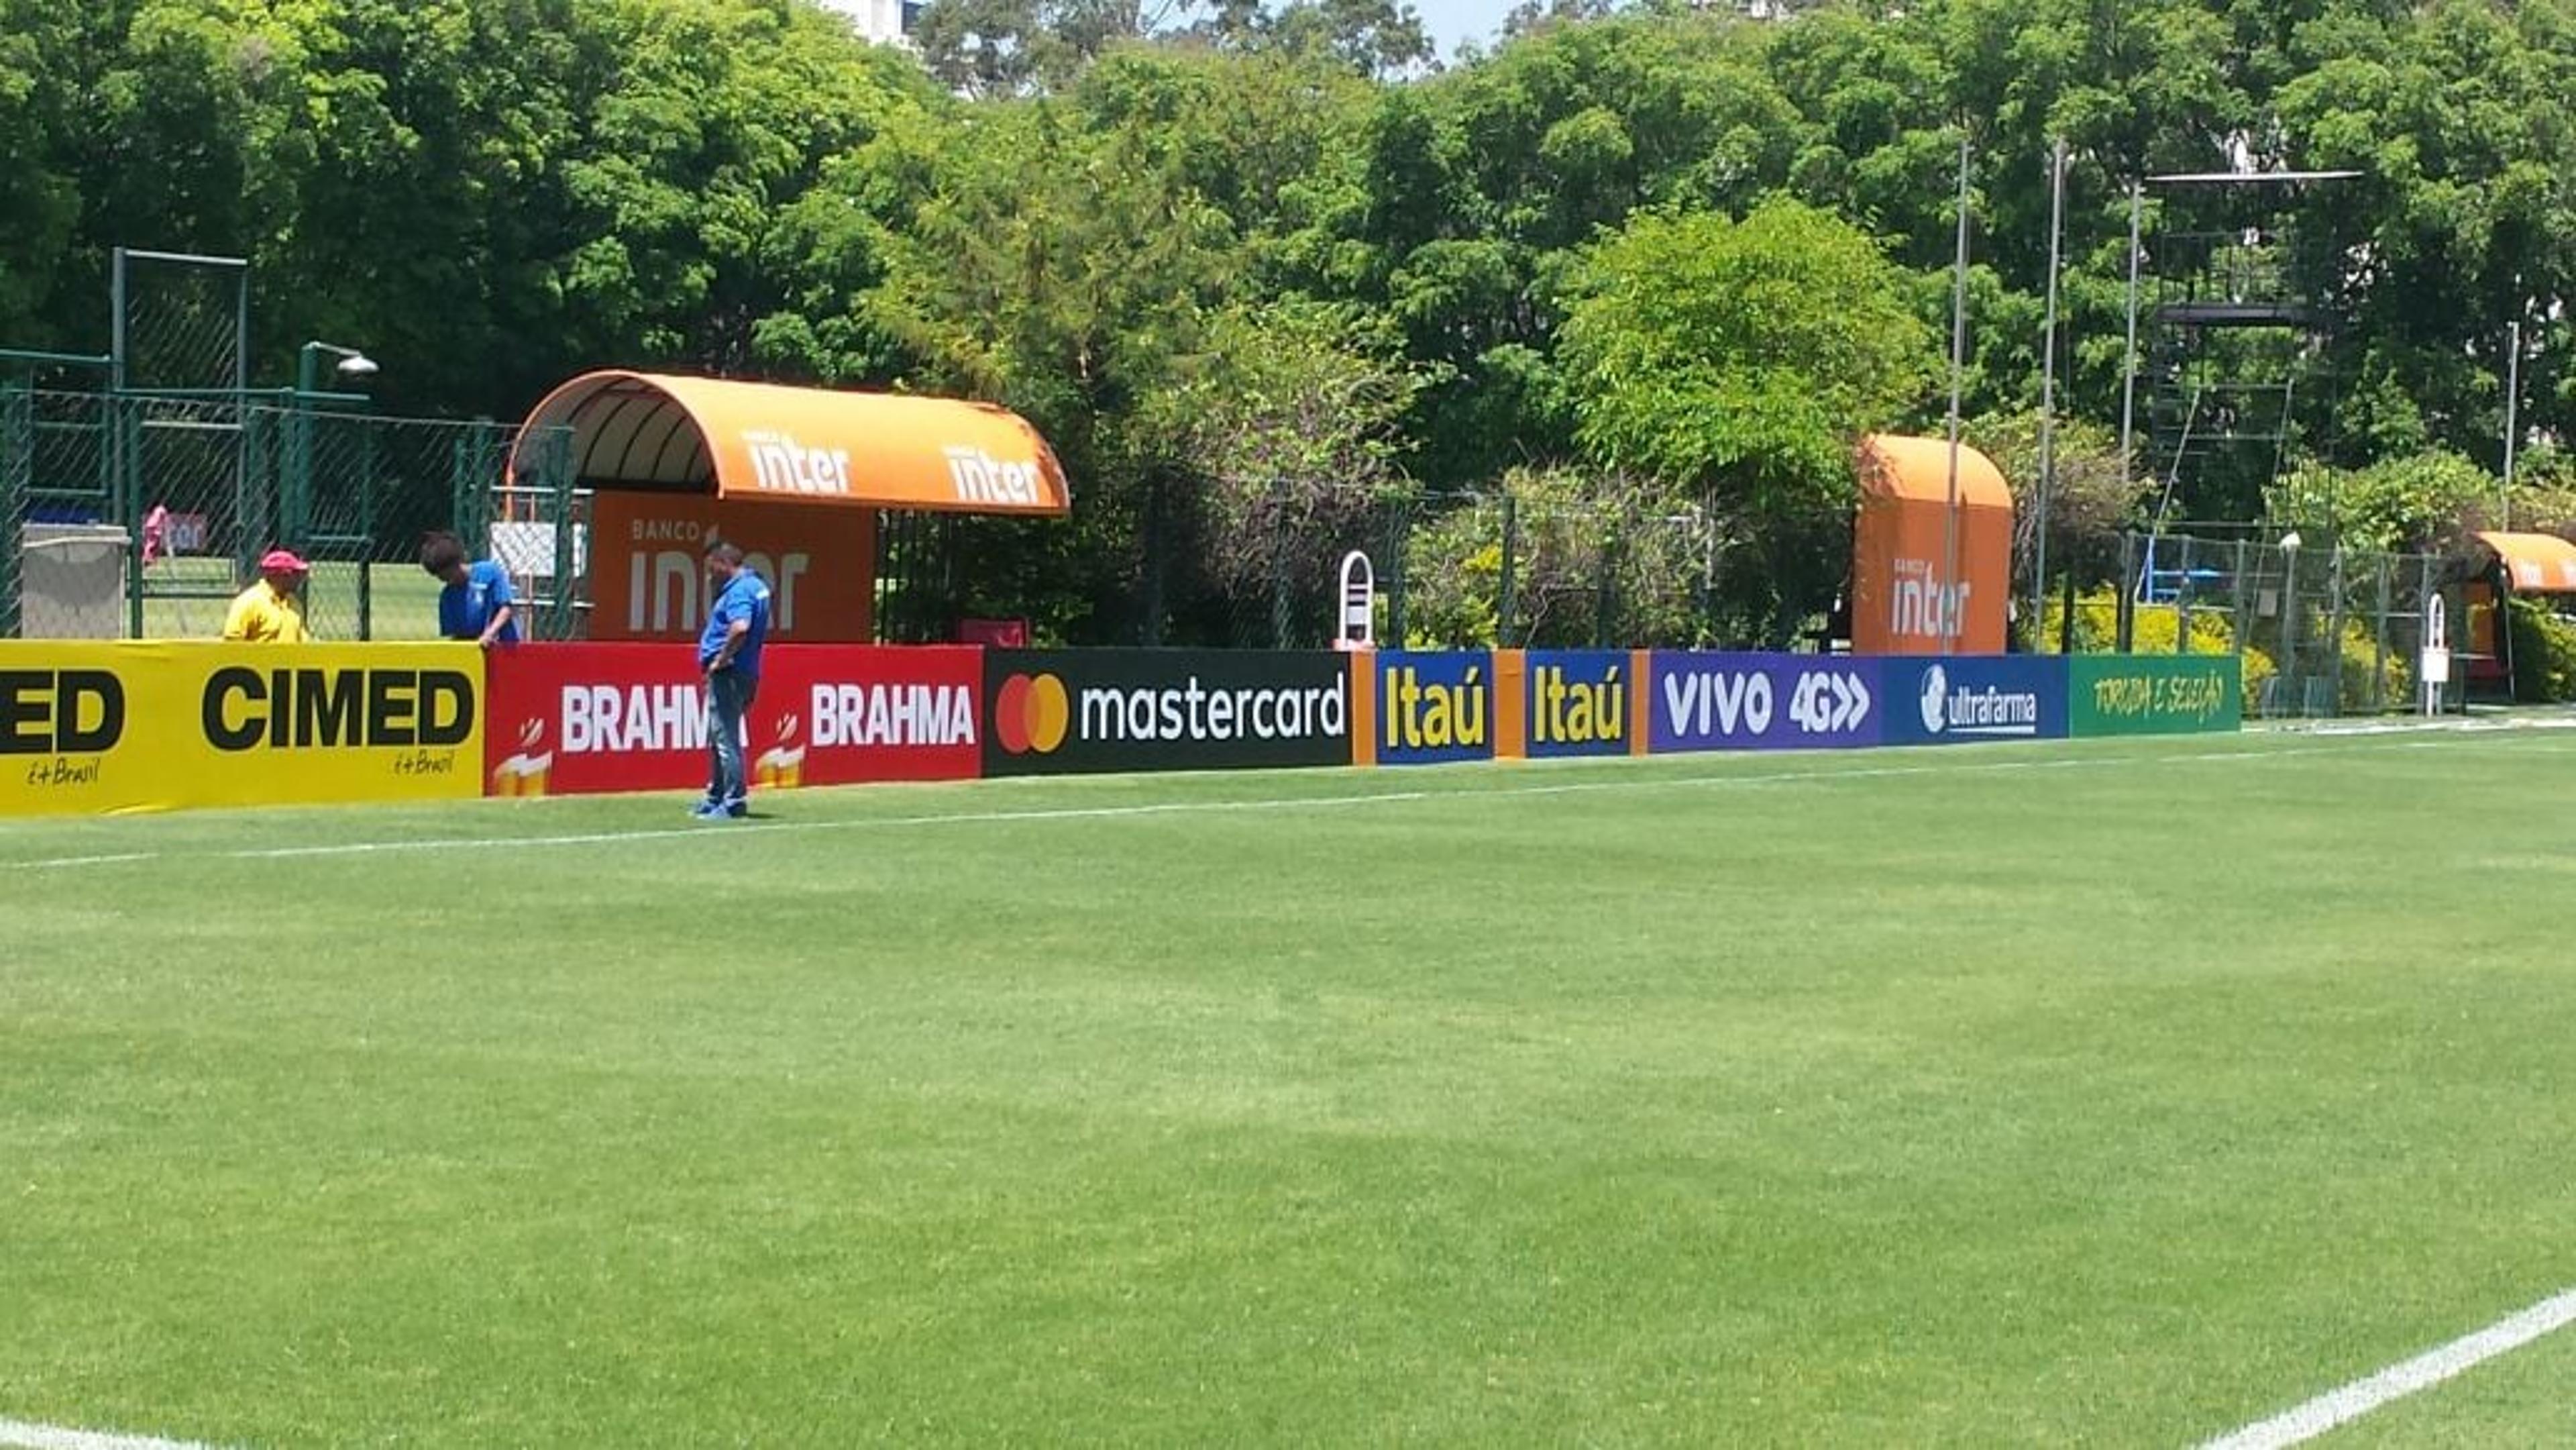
(724, 553)
(440, 552)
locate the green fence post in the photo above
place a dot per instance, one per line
(2379, 643)
(1503, 600)
(255, 490)
(2243, 625)
(295, 490)
(2289, 675)
(2182, 602)
(486, 457)
(17, 472)
(124, 490)
(559, 473)
(463, 452)
(366, 533)
(2124, 602)
(2334, 628)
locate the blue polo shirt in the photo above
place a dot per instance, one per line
(465, 610)
(745, 596)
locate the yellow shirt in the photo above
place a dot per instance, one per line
(261, 615)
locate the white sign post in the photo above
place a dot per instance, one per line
(2434, 669)
(1359, 604)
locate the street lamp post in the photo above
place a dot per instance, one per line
(297, 521)
(308, 366)
(2289, 671)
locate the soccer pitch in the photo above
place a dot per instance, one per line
(2122, 1093)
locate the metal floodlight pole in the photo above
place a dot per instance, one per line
(119, 451)
(1949, 600)
(116, 339)
(2048, 383)
(2129, 364)
(2512, 396)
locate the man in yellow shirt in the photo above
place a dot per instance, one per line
(269, 612)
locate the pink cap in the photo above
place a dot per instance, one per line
(279, 561)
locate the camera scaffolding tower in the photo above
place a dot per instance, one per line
(2234, 340)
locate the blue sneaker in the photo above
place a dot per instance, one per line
(736, 810)
(707, 811)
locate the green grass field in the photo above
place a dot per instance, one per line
(2109, 1093)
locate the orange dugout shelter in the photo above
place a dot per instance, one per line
(795, 476)
(2506, 564)
(2534, 563)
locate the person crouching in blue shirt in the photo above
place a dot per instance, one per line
(476, 604)
(729, 656)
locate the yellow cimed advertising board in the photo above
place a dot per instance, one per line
(153, 726)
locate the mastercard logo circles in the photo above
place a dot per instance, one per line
(1031, 713)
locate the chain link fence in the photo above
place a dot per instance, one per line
(1453, 570)
(2323, 631)
(141, 515)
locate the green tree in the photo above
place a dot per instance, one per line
(1737, 363)
(2462, 223)
(1283, 431)
(2419, 503)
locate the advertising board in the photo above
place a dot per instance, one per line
(1068, 711)
(570, 719)
(148, 725)
(1430, 709)
(1762, 702)
(2155, 694)
(1968, 699)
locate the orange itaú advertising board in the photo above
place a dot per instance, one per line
(1903, 601)
(648, 572)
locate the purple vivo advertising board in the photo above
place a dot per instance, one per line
(1762, 702)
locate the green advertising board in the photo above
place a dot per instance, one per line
(2156, 694)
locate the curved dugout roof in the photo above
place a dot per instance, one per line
(2536, 563)
(1917, 470)
(798, 445)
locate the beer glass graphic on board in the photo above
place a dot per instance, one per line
(783, 764)
(524, 773)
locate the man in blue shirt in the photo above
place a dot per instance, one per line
(729, 656)
(477, 603)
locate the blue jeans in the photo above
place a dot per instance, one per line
(728, 700)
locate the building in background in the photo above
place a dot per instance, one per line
(887, 22)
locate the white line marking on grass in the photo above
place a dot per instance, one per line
(55, 1437)
(61, 861)
(1070, 813)
(2424, 1371)
(1943, 763)
(1171, 808)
